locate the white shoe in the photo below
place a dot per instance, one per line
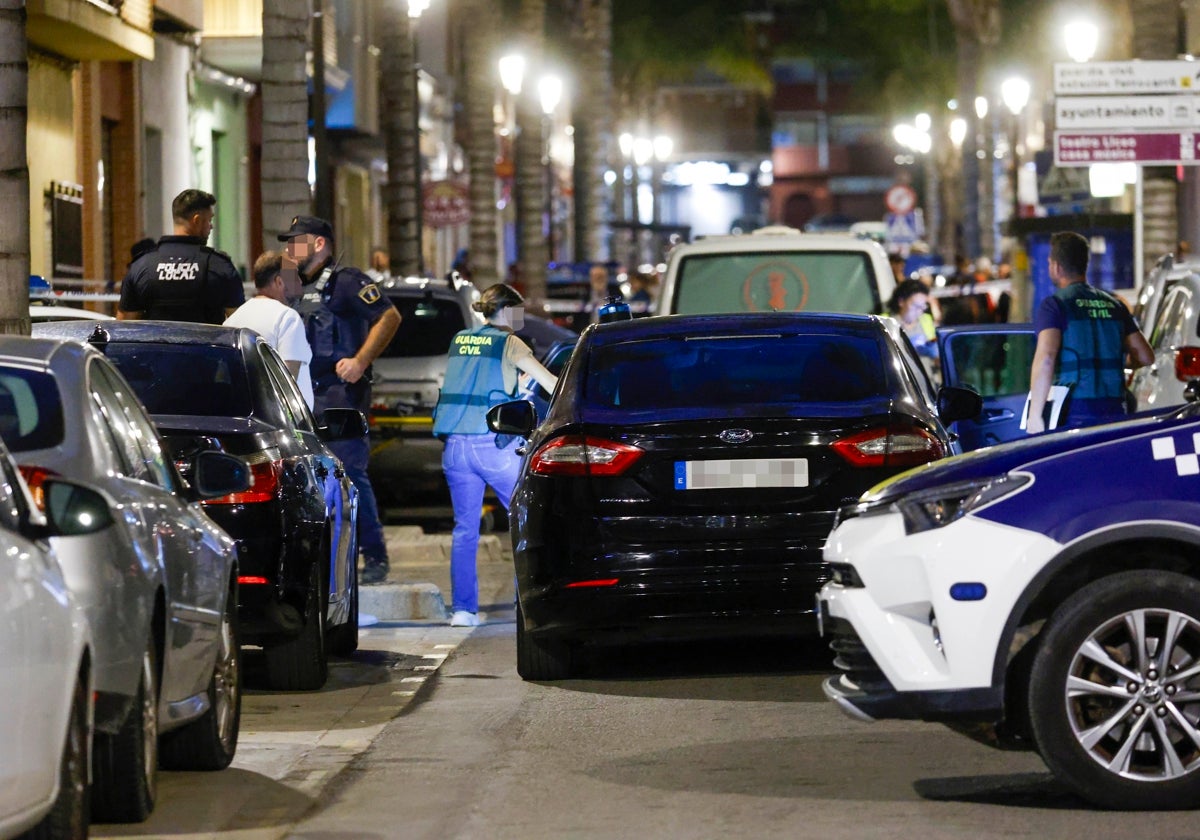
(462, 618)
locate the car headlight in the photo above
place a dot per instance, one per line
(939, 506)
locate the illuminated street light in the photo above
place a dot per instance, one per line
(550, 89)
(1015, 93)
(981, 107)
(923, 122)
(958, 131)
(512, 71)
(415, 7)
(663, 146)
(643, 150)
(1082, 38)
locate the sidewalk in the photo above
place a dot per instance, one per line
(418, 583)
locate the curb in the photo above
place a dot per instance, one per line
(403, 602)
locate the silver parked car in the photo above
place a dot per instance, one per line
(159, 586)
(1174, 336)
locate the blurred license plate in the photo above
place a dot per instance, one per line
(745, 473)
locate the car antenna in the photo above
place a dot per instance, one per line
(99, 338)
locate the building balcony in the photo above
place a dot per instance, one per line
(92, 30)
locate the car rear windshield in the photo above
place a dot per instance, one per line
(427, 326)
(188, 379)
(31, 414)
(787, 281)
(721, 371)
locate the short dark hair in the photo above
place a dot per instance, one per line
(906, 289)
(1070, 250)
(190, 202)
(267, 268)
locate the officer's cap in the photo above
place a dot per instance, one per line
(307, 224)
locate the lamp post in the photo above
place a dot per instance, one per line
(550, 88)
(415, 7)
(1015, 93)
(663, 146)
(512, 75)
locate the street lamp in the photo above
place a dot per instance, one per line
(1015, 93)
(550, 89)
(512, 72)
(1082, 38)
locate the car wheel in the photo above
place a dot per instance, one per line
(302, 663)
(1114, 692)
(542, 660)
(68, 817)
(125, 765)
(210, 741)
(343, 639)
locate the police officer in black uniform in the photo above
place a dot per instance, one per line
(182, 279)
(349, 323)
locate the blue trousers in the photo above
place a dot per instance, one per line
(1093, 412)
(353, 454)
(471, 463)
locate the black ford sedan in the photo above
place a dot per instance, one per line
(686, 477)
(208, 387)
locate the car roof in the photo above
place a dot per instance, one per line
(777, 238)
(149, 332)
(39, 349)
(672, 325)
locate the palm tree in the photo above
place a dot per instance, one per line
(976, 30)
(1156, 29)
(398, 121)
(592, 120)
(14, 171)
(285, 187)
(482, 22)
(534, 251)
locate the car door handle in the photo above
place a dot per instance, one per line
(995, 415)
(520, 450)
(321, 471)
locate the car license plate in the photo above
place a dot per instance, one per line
(745, 473)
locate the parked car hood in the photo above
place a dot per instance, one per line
(1005, 457)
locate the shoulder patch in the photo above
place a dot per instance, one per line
(369, 293)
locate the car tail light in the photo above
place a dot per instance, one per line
(581, 455)
(255, 580)
(265, 469)
(1187, 363)
(34, 477)
(890, 446)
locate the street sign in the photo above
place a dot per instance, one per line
(903, 228)
(1064, 185)
(900, 199)
(1118, 77)
(1148, 148)
(1122, 113)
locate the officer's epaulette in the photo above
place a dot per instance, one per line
(217, 252)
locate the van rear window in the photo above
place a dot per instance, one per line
(787, 281)
(427, 326)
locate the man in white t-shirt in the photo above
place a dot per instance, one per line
(268, 314)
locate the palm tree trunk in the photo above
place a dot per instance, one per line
(14, 171)
(1156, 36)
(592, 117)
(531, 173)
(285, 187)
(397, 118)
(479, 96)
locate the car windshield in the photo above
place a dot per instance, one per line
(31, 414)
(717, 371)
(427, 326)
(785, 281)
(187, 379)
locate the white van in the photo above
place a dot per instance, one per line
(777, 269)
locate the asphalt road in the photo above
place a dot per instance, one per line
(704, 741)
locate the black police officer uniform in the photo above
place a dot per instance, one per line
(182, 279)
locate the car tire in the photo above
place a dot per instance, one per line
(1107, 743)
(302, 663)
(210, 741)
(542, 660)
(125, 765)
(343, 639)
(68, 817)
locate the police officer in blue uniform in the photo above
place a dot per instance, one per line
(481, 371)
(349, 323)
(1083, 336)
(181, 278)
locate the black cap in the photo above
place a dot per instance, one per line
(307, 224)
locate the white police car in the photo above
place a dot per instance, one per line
(1042, 594)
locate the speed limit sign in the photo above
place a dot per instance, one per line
(900, 199)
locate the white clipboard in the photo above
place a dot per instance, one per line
(1055, 401)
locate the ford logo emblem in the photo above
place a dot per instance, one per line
(736, 435)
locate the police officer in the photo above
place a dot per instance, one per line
(482, 371)
(348, 322)
(182, 279)
(1083, 336)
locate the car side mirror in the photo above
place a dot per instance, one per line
(342, 424)
(216, 474)
(512, 418)
(73, 510)
(956, 403)
(1191, 391)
